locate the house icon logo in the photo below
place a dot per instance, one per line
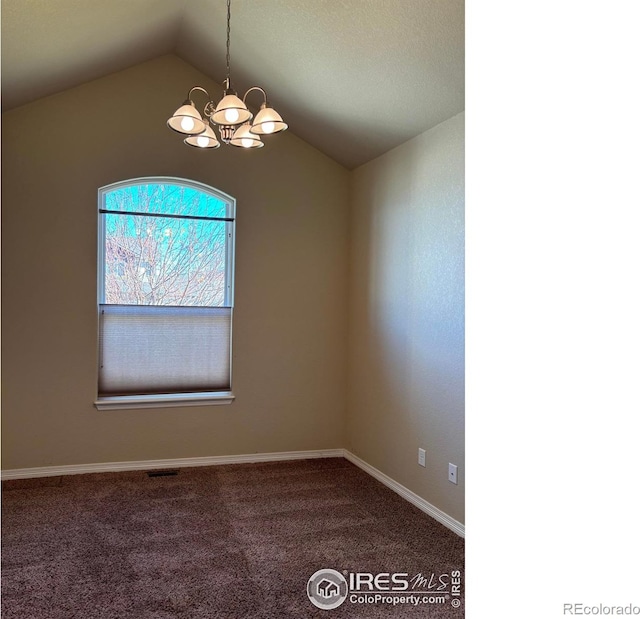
(327, 589)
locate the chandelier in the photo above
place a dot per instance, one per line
(231, 115)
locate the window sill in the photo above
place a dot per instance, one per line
(169, 400)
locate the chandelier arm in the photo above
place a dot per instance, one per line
(209, 110)
(201, 89)
(264, 94)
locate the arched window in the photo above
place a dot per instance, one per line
(165, 293)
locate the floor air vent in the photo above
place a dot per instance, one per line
(161, 473)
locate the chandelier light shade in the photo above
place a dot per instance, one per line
(267, 121)
(187, 119)
(230, 115)
(231, 111)
(245, 138)
(206, 139)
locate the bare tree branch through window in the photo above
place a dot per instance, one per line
(152, 259)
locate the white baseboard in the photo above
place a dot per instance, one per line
(405, 493)
(148, 465)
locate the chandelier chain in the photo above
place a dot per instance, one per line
(228, 43)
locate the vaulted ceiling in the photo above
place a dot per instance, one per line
(354, 78)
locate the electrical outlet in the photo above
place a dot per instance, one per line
(453, 473)
(422, 457)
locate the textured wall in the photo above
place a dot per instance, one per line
(291, 255)
(406, 330)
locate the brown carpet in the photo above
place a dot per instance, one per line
(229, 542)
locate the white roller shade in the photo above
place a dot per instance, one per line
(151, 349)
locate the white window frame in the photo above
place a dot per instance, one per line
(169, 400)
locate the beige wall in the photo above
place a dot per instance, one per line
(290, 317)
(406, 330)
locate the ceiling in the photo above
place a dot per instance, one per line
(354, 78)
